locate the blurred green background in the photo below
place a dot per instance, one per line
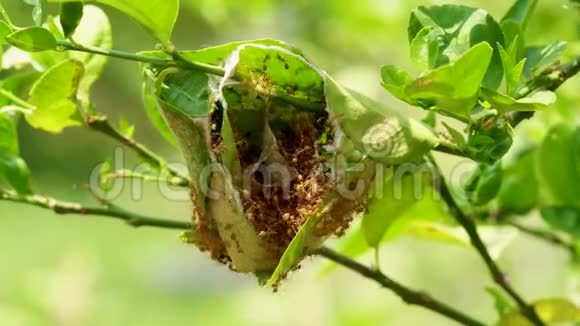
(67, 271)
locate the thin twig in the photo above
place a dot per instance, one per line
(130, 174)
(63, 208)
(409, 296)
(100, 124)
(470, 227)
(548, 80)
(547, 236)
(178, 60)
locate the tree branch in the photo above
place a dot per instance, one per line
(100, 124)
(546, 236)
(409, 296)
(551, 80)
(470, 227)
(64, 208)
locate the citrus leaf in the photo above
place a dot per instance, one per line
(187, 91)
(550, 311)
(71, 14)
(503, 303)
(32, 39)
(563, 218)
(503, 103)
(463, 27)
(392, 199)
(5, 30)
(54, 96)
(512, 197)
(156, 16)
(439, 87)
(154, 113)
(556, 167)
(13, 169)
(512, 69)
(426, 48)
(295, 250)
(520, 12)
(375, 131)
(395, 80)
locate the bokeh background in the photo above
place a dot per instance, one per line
(69, 270)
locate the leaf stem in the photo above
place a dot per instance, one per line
(100, 124)
(63, 208)
(17, 100)
(470, 227)
(6, 17)
(67, 45)
(408, 295)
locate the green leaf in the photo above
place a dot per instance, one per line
(503, 104)
(503, 303)
(126, 128)
(395, 80)
(550, 311)
(463, 27)
(563, 218)
(425, 48)
(456, 135)
(375, 131)
(32, 39)
(539, 57)
(5, 30)
(54, 96)
(295, 250)
(556, 167)
(13, 169)
(520, 12)
(487, 183)
(216, 55)
(512, 69)
(514, 38)
(94, 30)
(157, 16)
(429, 231)
(154, 113)
(186, 91)
(71, 14)
(512, 197)
(557, 310)
(489, 143)
(399, 191)
(576, 148)
(440, 88)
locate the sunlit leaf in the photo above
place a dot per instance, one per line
(512, 68)
(550, 311)
(295, 250)
(400, 189)
(54, 96)
(395, 80)
(464, 27)
(440, 88)
(157, 16)
(383, 135)
(504, 104)
(32, 39)
(426, 48)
